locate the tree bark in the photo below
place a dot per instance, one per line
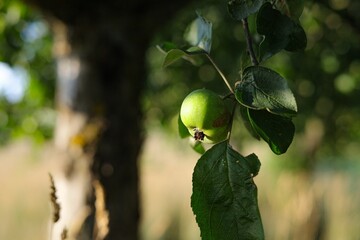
(100, 51)
(99, 128)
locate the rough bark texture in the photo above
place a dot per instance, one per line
(100, 50)
(100, 81)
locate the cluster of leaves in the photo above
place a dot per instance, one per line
(26, 46)
(224, 196)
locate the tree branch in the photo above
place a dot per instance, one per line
(249, 42)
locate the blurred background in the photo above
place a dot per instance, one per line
(310, 192)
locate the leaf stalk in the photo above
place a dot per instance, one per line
(220, 73)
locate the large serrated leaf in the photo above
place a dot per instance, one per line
(240, 9)
(224, 197)
(263, 88)
(277, 131)
(280, 32)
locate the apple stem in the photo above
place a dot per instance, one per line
(220, 72)
(232, 120)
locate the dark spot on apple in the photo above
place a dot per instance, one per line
(222, 120)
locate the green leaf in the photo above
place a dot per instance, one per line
(224, 197)
(253, 163)
(297, 39)
(262, 88)
(172, 56)
(277, 131)
(200, 33)
(240, 9)
(195, 50)
(199, 36)
(197, 146)
(291, 8)
(175, 54)
(166, 46)
(245, 117)
(280, 32)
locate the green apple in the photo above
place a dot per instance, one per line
(206, 116)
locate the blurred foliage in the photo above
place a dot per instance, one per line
(325, 78)
(26, 48)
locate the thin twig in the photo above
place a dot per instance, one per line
(249, 42)
(221, 74)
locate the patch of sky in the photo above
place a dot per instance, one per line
(13, 82)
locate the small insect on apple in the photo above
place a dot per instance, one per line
(206, 116)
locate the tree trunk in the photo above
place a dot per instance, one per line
(99, 126)
(100, 50)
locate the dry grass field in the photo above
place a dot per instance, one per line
(294, 206)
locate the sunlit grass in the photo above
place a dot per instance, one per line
(294, 205)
